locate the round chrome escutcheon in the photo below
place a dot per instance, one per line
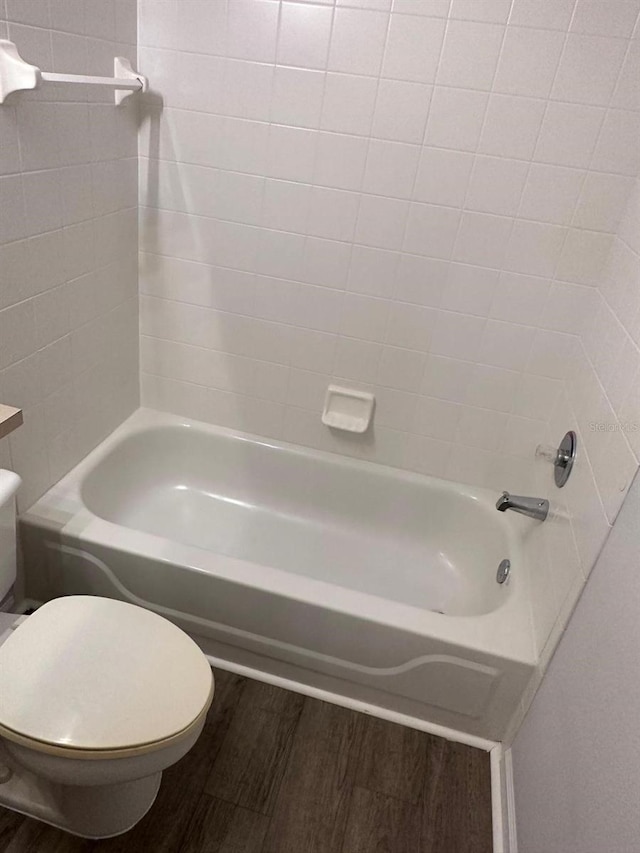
(503, 571)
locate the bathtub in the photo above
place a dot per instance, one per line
(369, 582)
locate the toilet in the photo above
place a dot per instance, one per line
(97, 698)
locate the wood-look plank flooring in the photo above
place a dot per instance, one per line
(277, 772)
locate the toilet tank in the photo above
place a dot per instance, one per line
(9, 483)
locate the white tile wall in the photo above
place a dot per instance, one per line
(420, 197)
(429, 146)
(68, 237)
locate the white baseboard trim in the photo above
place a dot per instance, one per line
(497, 800)
(355, 704)
(511, 802)
(503, 813)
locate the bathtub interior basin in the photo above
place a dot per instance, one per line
(280, 507)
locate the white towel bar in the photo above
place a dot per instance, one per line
(16, 75)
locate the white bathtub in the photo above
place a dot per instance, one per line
(359, 579)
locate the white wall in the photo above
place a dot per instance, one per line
(379, 198)
(68, 240)
(576, 770)
(420, 197)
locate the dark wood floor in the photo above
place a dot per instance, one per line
(276, 772)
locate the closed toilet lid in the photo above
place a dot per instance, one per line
(96, 674)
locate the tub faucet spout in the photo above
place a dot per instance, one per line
(537, 508)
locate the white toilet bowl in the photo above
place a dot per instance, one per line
(97, 698)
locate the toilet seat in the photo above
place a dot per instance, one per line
(89, 677)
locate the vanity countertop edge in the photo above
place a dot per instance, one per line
(10, 419)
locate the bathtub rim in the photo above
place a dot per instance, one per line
(507, 631)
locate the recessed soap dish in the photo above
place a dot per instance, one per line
(347, 409)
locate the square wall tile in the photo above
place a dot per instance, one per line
(401, 111)
(285, 205)
(394, 408)
(618, 150)
(443, 177)
(252, 30)
(421, 281)
(357, 41)
(511, 127)
(482, 428)
(436, 418)
(381, 222)
(410, 327)
(469, 289)
(340, 161)
(569, 308)
(457, 335)
(482, 239)
(495, 388)
(304, 36)
(528, 62)
(588, 69)
(506, 345)
(496, 185)
(552, 355)
(332, 213)
(568, 135)
(602, 201)
(373, 271)
(455, 118)
(348, 103)
(326, 262)
(391, 168)
(551, 194)
(520, 298)
(357, 360)
(447, 378)
(364, 317)
(413, 48)
(616, 19)
(247, 89)
(584, 256)
(291, 153)
(428, 455)
(401, 368)
(431, 230)
(534, 248)
(470, 54)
